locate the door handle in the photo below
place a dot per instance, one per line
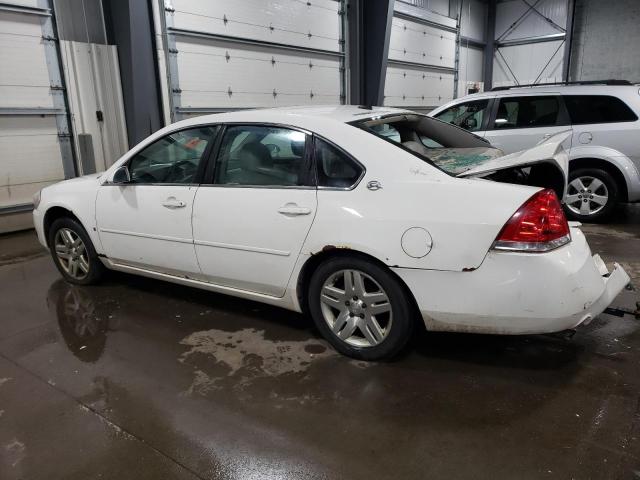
(547, 135)
(291, 209)
(173, 203)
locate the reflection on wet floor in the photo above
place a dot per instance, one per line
(153, 380)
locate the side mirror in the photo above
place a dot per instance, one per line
(121, 175)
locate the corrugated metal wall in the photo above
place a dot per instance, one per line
(472, 27)
(218, 50)
(606, 40)
(531, 63)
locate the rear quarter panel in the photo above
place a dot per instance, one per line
(462, 216)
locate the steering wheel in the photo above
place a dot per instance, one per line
(181, 172)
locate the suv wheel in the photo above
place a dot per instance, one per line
(360, 308)
(592, 195)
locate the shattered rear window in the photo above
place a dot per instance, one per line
(445, 146)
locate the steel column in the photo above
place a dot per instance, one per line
(489, 49)
(370, 31)
(568, 40)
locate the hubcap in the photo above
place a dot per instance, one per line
(587, 195)
(356, 308)
(71, 253)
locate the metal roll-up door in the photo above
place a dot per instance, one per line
(228, 54)
(35, 143)
(421, 63)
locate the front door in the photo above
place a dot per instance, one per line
(147, 222)
(250, 222)
(523, 122)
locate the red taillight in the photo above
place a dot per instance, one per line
(539, 225)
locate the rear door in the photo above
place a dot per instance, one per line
(521, 122)
(253, 214)
(604, 121)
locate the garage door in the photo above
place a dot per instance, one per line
(420, 68)
(229, 54)
(34, 136)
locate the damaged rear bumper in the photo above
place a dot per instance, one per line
(516, 293)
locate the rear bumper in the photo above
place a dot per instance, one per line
(516, 293)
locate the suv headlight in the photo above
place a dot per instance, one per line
(36, 199)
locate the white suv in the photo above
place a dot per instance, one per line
(604, 149)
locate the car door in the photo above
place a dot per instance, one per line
(146, 222)
(472, 115)
(521, 122)
(251, 219)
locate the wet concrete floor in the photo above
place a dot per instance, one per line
(137, 378)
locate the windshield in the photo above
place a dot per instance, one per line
(449, 148)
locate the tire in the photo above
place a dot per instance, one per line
(575, 206)
(335, 307)
(66, 241)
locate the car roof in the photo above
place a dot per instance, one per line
(564, 89)
(296, 115)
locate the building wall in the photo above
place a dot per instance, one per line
(536, 62)
(606, 40)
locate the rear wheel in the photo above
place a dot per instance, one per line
(73, 252)
(592, 195)
(360, 308)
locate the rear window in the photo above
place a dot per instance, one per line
(597, 109)
(441, 144)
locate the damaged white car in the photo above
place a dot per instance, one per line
(368, 219)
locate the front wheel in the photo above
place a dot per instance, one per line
(592, 195)
(73, 252)
(360, 308)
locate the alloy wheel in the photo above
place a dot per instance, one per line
(356, 308)
(72, 253)
(587, 195)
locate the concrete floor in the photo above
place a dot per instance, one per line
(138, 379)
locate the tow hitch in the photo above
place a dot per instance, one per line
(621, 311)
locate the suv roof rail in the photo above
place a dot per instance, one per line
(585, 82)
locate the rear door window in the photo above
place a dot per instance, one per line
(585, 109)
(527, 112)
(334, 168)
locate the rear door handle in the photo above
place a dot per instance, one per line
(291, 209)
(173, 202)
(547, 135)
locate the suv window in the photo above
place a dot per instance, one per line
(527, 112)
(335, 169)
(597, 109)
(172, 159)
(466, 115)
(255, 155)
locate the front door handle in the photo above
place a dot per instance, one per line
(173, 202)
(291, 209)
(547, 135)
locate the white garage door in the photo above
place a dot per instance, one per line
(420, 69)
(231, 54)
(34, 143)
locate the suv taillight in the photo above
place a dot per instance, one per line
(539, 225)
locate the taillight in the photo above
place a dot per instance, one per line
(539, 225)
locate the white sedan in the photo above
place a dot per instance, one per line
(368, 219)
